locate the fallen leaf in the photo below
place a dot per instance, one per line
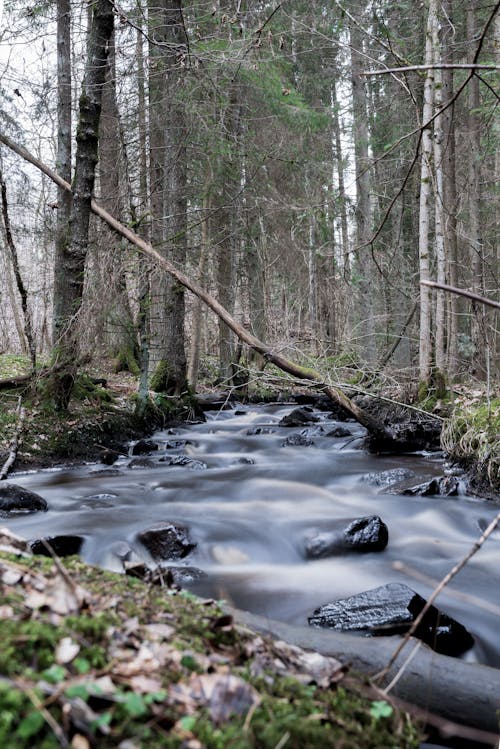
(66, 650)
(222, 694)
(79, 742)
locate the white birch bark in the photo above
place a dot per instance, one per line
(425, 340)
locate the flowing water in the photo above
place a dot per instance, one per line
(252, 506)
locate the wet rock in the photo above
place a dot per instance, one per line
(142, 447)
(297, 440)
(108, 456)
(446, 486)
(260, 430)
(363, 534)
(323, 403)
(244, 461)
(184, 461)
(98, 501)
(15, 499)
(62, 546)
(181, 576)
(177, 444)
(386, 478)
(142, 463)
(391, 609)
(166, 541)
(339, 432)
(299, 417)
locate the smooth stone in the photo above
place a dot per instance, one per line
(299, 417)
(297, 440)
(15, 498)
(339, 432)
(365, 534)
(184, 461)
(142, 447)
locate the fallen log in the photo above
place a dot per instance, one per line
(378, 431)
(465, 693)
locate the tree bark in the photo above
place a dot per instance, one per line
(72, 259)
(21, 288)
(363, 206)
(478, 321)
(450, 192)
(425, 344)
(168, 50)
(63, 164)
(372, 424)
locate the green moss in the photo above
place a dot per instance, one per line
(307, 715)
(472, 436)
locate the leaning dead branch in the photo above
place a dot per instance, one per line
(462, 292)
(16, 441)
(373, 425)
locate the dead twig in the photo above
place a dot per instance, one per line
(444, 582)
(16, 441)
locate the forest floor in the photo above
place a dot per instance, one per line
(95, 659)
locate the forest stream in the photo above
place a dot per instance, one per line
(250, 502)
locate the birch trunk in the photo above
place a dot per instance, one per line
(425, 341)
(365, 264)
(478, 320)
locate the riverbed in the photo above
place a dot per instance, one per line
(249, 502)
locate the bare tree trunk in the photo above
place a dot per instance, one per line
(63, 162)
(118, 333)
(21, 288)
(439, 218)
(363, 207)
(478, 321)
(425, 345)
(450, 194)
(168, 191)
(339, 162)
(72, 260)
(194, 356)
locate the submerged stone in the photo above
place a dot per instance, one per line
(142, 447)
(386, 478)
(167, 541)
(446, 486)
(260, 430)
(363, 535)
(299, 417)
(339, 432)
(392, 609)
(297, 440)
(184, 461)
(15, 498)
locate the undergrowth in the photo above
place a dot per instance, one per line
(154, 667)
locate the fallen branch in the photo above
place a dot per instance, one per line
(462, 292)
(461, 692)
(373, 425)
(440, 66)
(16, 441)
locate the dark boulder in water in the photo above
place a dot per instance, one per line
(392, 609)
(62, 546)
(14, 499)
(363, 535)
(299, 417)
(167, 541)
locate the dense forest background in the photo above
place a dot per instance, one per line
(310, 164)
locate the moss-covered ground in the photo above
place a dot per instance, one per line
(90, 658)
